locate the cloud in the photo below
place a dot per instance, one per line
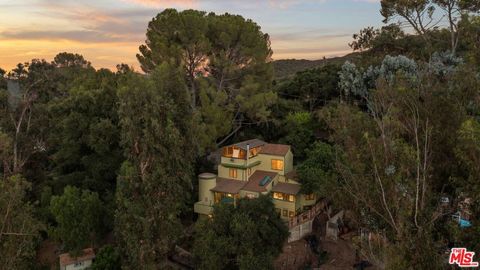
(86, 36)
(165, 3)
(283, 4)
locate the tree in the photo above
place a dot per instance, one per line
(25, 116)
(420, 15)
(84, 141)
(299, 132)
(78, 214)
(393, 156)
(19, 229)
(225, 62)
(312, 87)
(64, 60)
(317, 173)
(229, 239)
(107, 258)
(155, 180)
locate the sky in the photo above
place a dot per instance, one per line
(109, 32)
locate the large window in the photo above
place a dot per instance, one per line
(309, 197)
(234, 152)
(283, 196)
(232, 173)
(254, 151)
(277, 164)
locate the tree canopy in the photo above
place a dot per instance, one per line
(233, 237)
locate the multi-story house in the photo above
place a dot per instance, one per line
(250, 168)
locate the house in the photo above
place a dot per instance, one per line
(248, 169)
(84, 261)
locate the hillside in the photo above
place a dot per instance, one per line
(286, 67)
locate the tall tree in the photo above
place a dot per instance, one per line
(78, 214)
(232, 237)
(226, 65)
(155, 180)
(84, 140)
(392, 158)
(420, 15)
(178, 38)
(19, 230)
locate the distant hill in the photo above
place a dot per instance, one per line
(288, 67)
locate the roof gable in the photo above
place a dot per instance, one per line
(275, 149)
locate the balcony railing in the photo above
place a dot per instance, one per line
(307, 215)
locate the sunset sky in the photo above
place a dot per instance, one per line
(108, 32)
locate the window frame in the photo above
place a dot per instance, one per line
(235, 173)
(275, 162)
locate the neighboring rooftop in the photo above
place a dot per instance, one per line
(255, 180)
(275, 149)
(286, 188)
(66, 259)
(253, 143)
(292, 175)
(231, 186)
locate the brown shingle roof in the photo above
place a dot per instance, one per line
(228, 185)
(66, 259)
(254, 181)
(292, 175)
(286, 188)
(275, 149)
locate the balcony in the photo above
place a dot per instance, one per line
(239, 163)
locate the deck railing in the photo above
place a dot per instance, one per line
(307, 215)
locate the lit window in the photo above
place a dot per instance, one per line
(310, 197)
(278, 195)
(291, 214)
(290, 198)
(228, 151)
(285, 213)
(250, 195)
(253, 152)
(277, 164)
(232, 173)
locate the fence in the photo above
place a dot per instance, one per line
(302, 224)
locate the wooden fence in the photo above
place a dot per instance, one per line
(307, 215)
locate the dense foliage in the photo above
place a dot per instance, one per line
(90, 156)
(246, 236)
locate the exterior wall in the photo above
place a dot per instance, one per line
(288, 163)
(205, 196)
(284, 205)
(223, 172)
(301, 202)
(84, 265)
(266, 163)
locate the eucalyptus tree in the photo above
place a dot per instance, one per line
(155, 179)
